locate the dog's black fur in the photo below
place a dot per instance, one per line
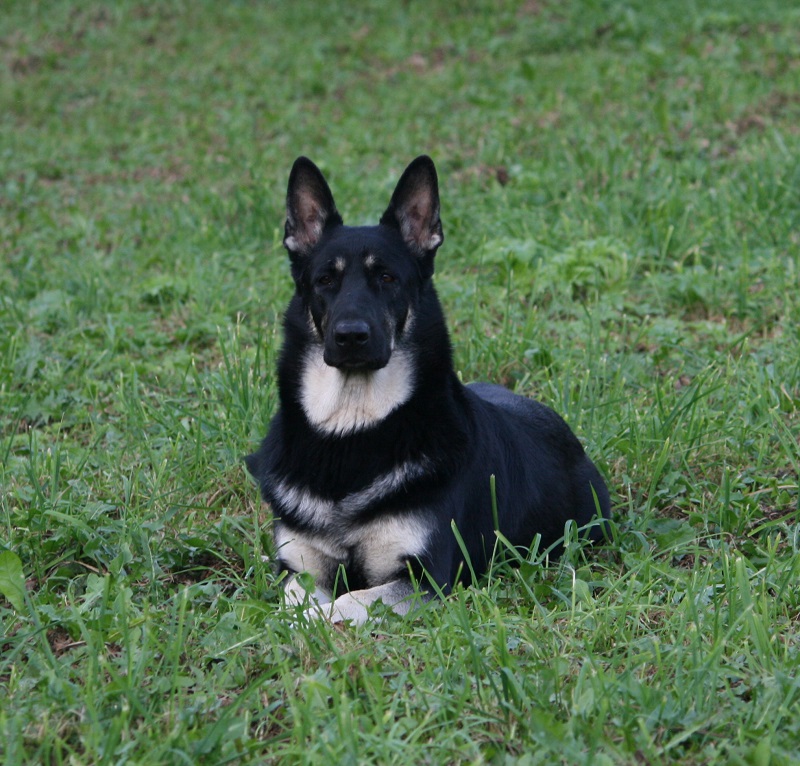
(377, 447)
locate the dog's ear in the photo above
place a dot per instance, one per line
(310, 208)
(414, 207)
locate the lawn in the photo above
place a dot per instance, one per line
(621, 205)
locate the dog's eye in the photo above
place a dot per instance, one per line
(386, 278)
(324, 280)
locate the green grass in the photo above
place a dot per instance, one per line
(621, 203)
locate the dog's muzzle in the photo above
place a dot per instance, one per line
(351, 334)
(353, 345)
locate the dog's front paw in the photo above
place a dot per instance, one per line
(348, 609)
(315, 611)
(344, 609)
(300, 590)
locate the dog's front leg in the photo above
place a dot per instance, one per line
(354, 606)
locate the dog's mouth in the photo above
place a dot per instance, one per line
(354, 364)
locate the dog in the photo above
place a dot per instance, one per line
(377, 464)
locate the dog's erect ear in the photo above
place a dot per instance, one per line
(310, 208)
(414, 208)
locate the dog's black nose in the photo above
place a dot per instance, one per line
(351, 333)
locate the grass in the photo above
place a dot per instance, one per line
(622, 220)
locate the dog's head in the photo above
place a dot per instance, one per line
(359, 284)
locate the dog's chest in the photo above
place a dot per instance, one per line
(310, 510)
(378, 548)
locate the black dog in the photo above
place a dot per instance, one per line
(378, 449)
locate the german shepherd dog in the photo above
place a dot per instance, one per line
(377, 464)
